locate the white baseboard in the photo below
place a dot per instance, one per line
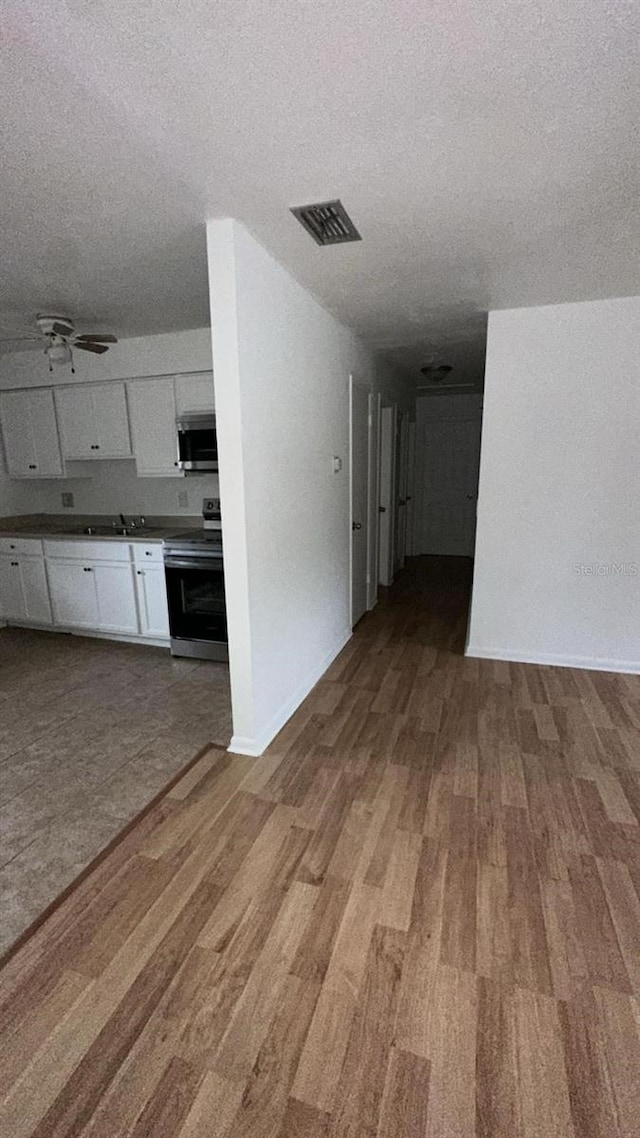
(243, 745)
(64, 630)
(556, 660)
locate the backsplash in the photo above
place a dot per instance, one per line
(114, 487)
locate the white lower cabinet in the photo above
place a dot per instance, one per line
(116, 596)
(23, 589)
(73, 593)
(152, 601)
(93, 594)
(37, 606)
(95, 586)
(108, 587)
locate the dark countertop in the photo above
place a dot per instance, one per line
(65, 529)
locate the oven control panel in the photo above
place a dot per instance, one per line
(211, 513)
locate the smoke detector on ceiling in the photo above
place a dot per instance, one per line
(327, 222)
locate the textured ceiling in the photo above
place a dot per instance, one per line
(488, 153)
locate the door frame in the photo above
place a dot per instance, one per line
(411, 490)
(372, 497)
(402, 468)
(387, 493)
(375, 405)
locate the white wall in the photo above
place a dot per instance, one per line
(559, 505)
(113, 486)
(281, 368)
(165, 354)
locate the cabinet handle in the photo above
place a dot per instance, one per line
(12, 547)
(147, 553)
(139, 572)
(85, 569)
(15, 564)
(32, 466)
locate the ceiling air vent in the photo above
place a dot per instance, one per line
(327, 222)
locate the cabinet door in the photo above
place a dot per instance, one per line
(11, 596)
(116, 598)
(76, 421)
(72, 588)
(35, 590)
(30, 434)
(152, 601)
(44, 429)
(152, 409)
(19, 448)
(195, 392)
(112, 421)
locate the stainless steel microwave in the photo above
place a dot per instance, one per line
(197, 441)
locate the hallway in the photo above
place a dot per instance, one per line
(417, 914)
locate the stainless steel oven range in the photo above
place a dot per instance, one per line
(194, 572)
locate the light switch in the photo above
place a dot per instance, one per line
(337, 464)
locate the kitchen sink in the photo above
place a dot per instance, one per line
(112, 531)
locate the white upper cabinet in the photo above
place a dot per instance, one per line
(30, 434)
(152, 411)
(194, 392)
(93, 421)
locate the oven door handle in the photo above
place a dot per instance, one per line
(206, 562)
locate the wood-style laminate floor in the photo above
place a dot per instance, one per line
(90, 731)
(418, 914)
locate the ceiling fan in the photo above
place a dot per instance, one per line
(60, 339)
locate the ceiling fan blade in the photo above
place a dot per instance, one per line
(62, 330)
(97, 348)
(20, 339)
(96, 338)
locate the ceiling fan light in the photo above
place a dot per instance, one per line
(59, 353)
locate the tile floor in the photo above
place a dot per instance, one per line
(90, 731)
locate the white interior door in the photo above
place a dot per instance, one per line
(410, 496)
(359, 485)
(388, 450)
(375, 402)
(447, 472)
(402, 468)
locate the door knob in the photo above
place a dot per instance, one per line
(356, 525)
